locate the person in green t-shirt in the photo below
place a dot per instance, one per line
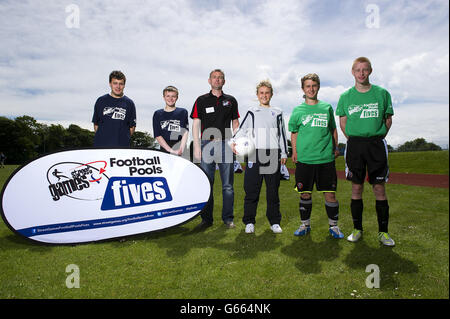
(365, 116)
(314, 148)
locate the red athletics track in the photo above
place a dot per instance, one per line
(428, 180)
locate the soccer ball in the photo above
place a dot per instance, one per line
(244, 146)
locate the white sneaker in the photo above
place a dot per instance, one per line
(250, 228)
(355, 235)
(276, 228)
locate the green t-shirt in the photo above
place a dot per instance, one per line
(314, 125)
(365, 112)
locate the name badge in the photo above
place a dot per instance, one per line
(209, 110)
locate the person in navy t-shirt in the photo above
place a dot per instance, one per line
(170, 124)
(114, 115)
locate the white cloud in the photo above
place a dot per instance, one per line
(54, 73)
(429, 121)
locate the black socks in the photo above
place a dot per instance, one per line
(382, 209)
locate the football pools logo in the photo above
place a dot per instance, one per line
(72, 179)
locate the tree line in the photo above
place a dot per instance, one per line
(23, 139)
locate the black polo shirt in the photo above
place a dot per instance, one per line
(215, 112)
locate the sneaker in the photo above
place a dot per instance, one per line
(355, 235)
(385, 239)
(336, 232)
(250, 228)
(230, 224)
(203, 225)
(276, 228)
(302, 230)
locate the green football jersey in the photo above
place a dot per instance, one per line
(314, 125)
(366, 112)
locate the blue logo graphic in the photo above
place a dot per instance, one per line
(124, 192)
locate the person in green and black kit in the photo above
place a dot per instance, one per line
(314, 149)
(365, 116)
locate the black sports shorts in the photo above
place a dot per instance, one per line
(366, 154)
(323, 175)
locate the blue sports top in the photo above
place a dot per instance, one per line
(114, 117)
(170, 125)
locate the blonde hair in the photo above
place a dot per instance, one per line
(311, 76)
(265, 83)
(362, 59)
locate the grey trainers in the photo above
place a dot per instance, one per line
(355, 235)
(230, 224)
(385, 239)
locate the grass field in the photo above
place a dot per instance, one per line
(434, 162)
(227, 263)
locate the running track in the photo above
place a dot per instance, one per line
(428, 180)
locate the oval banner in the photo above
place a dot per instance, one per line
(95, 194)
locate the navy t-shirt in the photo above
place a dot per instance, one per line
(114, 117)
(170, 125)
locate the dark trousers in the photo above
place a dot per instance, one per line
(253, 179)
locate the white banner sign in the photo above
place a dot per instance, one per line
(94, 194)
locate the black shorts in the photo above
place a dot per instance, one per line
(366, 154)
(323, 175)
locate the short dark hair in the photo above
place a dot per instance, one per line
(117, 75)
(217, 70)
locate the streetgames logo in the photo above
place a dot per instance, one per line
(71, 179)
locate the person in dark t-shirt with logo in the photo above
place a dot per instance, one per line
(170, 124)
(114, 115)
(213, 116)
(365, 116)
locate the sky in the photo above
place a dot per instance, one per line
(56, 56)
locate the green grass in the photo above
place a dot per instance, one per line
(227, 263)
(432, 162)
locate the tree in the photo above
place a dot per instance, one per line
(23, 138)
(8, 139)
(142, 140)
(76, 137)
(419, 144)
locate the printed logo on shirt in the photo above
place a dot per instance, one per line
(306, 119)
(316, 120)
(226, 103)
(171, 125)
(367, 110)
(370, 110)
(116, 113)
(320, 120)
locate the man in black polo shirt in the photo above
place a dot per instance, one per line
(212, 115)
